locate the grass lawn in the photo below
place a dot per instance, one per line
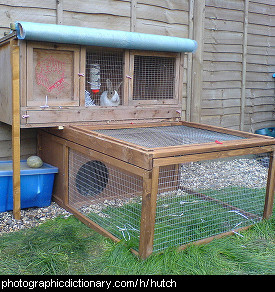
(183, 217)
(65, 246)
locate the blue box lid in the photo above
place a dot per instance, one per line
(6, 168)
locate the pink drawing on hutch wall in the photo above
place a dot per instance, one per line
(50, 74)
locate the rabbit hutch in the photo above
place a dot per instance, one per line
(107, 105)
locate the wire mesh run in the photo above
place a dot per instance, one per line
(206, 198)
(165, 136)
(100, 66)
(109, 196)
(154, 78)
(195, 200)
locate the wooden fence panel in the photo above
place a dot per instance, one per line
(228, 82)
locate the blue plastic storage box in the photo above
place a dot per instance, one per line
(36, 185)
(266, 131)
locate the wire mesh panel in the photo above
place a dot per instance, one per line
(206, 198)
(102, 65)
(195, 200)
(154, 77)
(165, 136)
(109, 196)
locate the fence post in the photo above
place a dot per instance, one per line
(197, 83)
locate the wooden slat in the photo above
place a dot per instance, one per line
(128, 154)
(225, 25)
(49, 4)
(226, 4)
(155, 27)
(107, 7)
(162, 15)
(224, 14)
(91, 127)
(97, 20)
(30, 13)
(211, 154)
(204, 197)
(224, 130)
(222, 48)
(84, 219)
(56, 116)
(209, 239)
(169, 5)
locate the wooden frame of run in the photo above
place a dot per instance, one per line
(54, 144)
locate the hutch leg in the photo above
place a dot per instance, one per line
(148, 214)
(15, 129)
(270, 187)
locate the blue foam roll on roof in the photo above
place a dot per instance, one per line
(102, 37)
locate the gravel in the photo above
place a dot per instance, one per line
(221, 173)
(30, 217)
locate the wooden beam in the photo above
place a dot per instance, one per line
(245, 28)
(16, 129)
(199, 17)
(209, 239)
(148, 214)
(270, 188)
(219, 202)
(218, 154)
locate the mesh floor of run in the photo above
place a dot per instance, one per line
(164, 136)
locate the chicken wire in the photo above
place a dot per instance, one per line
(154, 78)
(109, 196)
(207, 198)
(100, 66)
(165, 136)
(195, 200)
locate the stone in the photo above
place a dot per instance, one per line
(34, 162)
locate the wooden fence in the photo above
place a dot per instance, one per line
(228, 82)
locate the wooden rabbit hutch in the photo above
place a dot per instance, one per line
(133, 171)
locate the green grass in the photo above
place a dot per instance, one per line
(182, 218)
(66, 246)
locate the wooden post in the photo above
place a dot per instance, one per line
(189, 64)
(148, 214)
(199, 16)
(270, 188)
(245, 25)
(133, 15)
(15, 129)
